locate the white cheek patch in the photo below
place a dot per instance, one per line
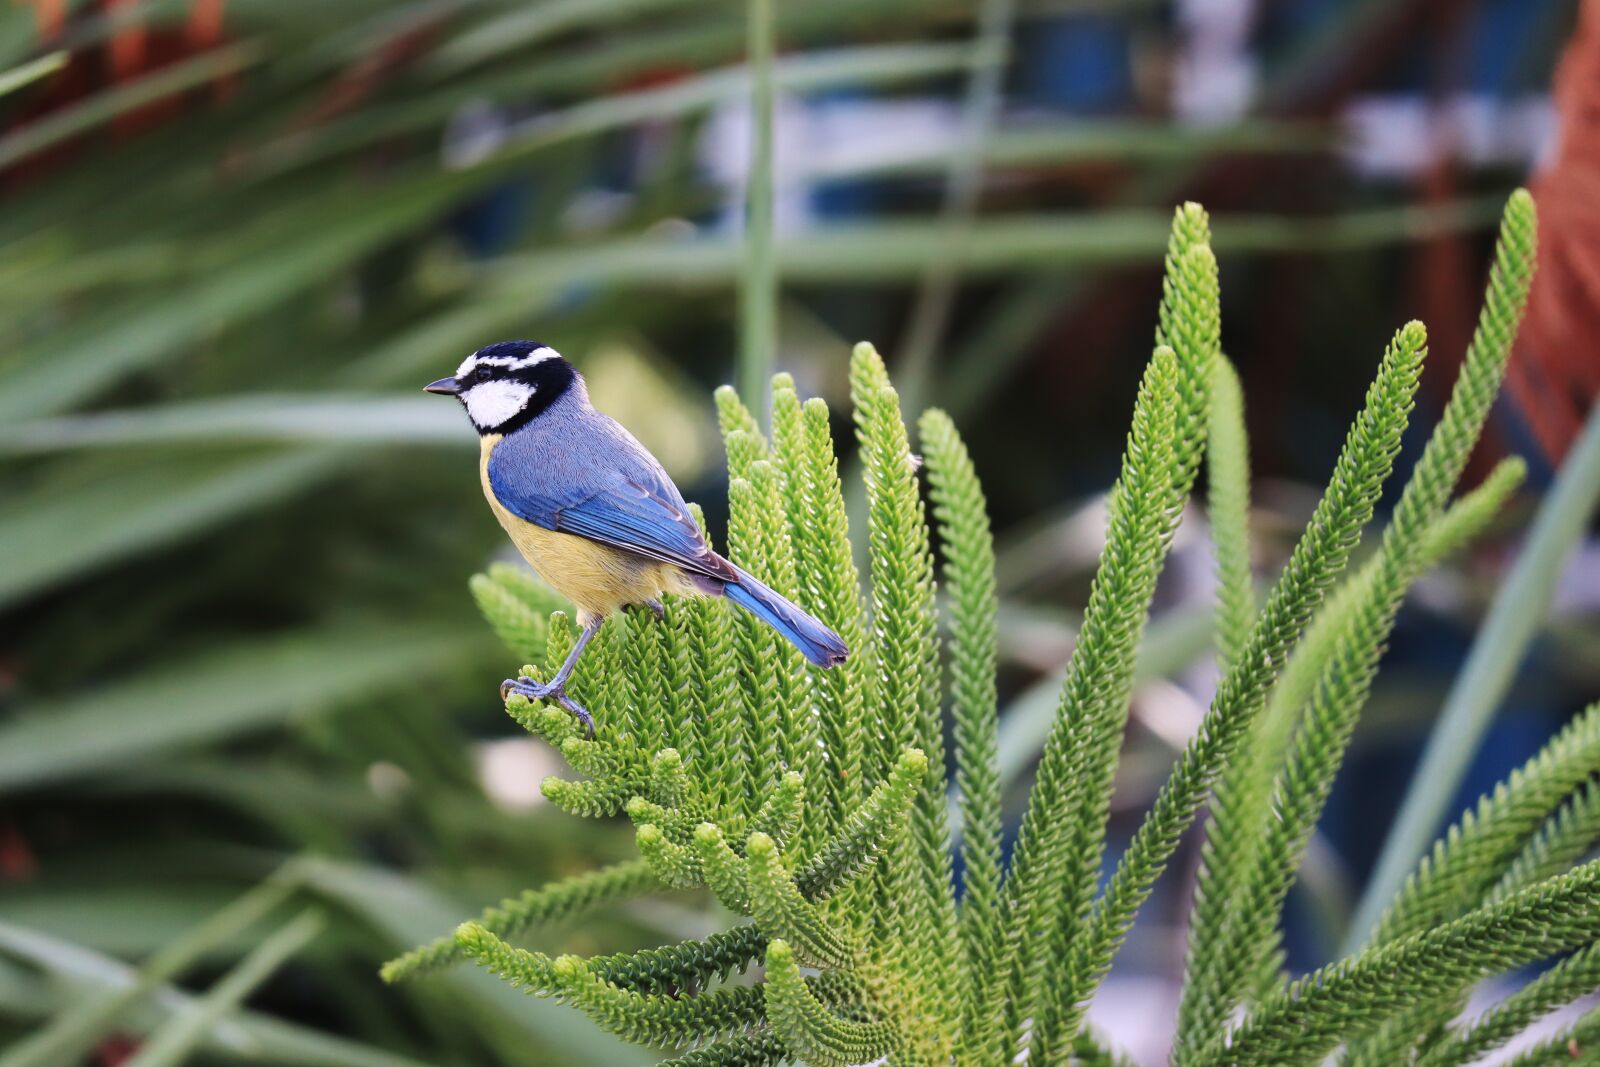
(491, 403)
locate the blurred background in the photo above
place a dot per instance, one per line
(237, 237)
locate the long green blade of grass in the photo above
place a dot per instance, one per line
(241, 688)
(407, 912)
(242, 1036)
(758, 281)
(72, 1033)
(53, 533)
(183, 1034)
(252, 418)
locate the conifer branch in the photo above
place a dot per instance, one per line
(532, 971)
(651, 1019)
(652, 707)
(1254, 762)
(1065, 819)
(722, 779)
(1355, 995)
(824, 556)
(1474, 853)
(1240, 797)
(749, 1050)
(1315, 563)
(1228, 507)
(968, 547)
(783, 912)
(686, 677)
(1302, 786)
(724, 869)
(556, 902)
(806, 1026)
(517, 607)
(778, 787)
(741, 433)
(676, 866)
(671, 969)
(917, 879)
(1052, 882)
(798, 745)
(783, 813)
(1445, 759)
(1564, 839)
(760, 673)
(669, 781)
(1576, 976)
(1577, 1044)
(866, 833)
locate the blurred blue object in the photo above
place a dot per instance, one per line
(1082, 63)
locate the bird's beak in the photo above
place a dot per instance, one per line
(444, 387)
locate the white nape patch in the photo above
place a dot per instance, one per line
(538, 355)
(474, 361)
(491, 403)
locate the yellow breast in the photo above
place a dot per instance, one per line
(596, 578)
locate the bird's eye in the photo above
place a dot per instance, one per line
(482, 374)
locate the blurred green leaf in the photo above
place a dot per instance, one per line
(314, 240)
(241, 688)
(172, 1043)
(72, 1032)
(251, 419)
(55, 532)
(407, 913)
(102, 107)
(1074, 142)
(31, 71)
(240, 1035)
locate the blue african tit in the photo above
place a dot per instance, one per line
(594, 512)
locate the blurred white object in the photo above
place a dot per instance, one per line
(1215, 73)
(511, 770)
(1136, 1017)
(812, 140)
(1403, 135)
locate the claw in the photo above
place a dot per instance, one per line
(579, 712)
(531, 689)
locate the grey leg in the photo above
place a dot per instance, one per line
(555, 688)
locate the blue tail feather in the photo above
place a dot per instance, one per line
(815, 641)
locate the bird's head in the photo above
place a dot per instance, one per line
(505, 386)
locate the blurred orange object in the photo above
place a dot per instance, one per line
(1556, 376)
(51, 15)
(132, 51)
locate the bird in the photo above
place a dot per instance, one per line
(593, 512)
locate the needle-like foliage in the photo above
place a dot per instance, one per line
(814, 805)
(1224, 960)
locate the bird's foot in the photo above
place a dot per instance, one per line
(551, 691)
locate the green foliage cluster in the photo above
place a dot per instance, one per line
(813, 804)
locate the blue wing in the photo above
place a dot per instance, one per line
(617, 495)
